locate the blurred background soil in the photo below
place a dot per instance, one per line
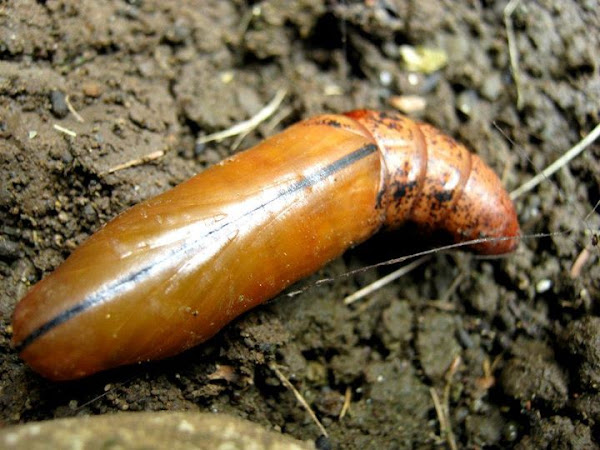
(148, 76)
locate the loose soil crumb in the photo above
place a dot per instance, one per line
(150, 76)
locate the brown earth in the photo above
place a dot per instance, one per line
(148, 75)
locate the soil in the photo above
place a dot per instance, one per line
(150, 76)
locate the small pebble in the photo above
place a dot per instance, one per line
(6, 197)
(63, 217)
(66, 157)
(543, 285)
(385, 78)
(510, 433)
(211, 156)
(464, 337)
(408, 104)
(323, 443)
(466, 102)
(178, 33)
(8, 249)
(492, 87)
(89, 212)
(199, 148)
(59, 104)
(92, 89)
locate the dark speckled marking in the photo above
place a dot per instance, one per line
(443, 196)
(332, 123)
(380, 199)
(400, 190)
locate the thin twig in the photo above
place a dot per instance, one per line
(107, 390)
(73, 111)
(442, 409)
(385, 280)
(71, 133)
(455, 283)
(137, 161)
(577, 266)
(596, 206)
(299, 397)
(560, 162)
(441, 305)
(282, 113)
(449, 377)
(431, 251)
(239, 139)
(513, 51)
(347, 401)
(247, 125)
(439, 410)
